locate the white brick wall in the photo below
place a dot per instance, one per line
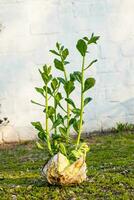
(29, 28)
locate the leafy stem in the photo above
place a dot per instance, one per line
(46, 123)
(67, 96)
(82, 103)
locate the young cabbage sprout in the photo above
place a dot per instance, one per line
(57, 134)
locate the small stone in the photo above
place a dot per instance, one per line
(14, 197)
(29, 187)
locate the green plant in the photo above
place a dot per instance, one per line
(57, 135)
(123, 127)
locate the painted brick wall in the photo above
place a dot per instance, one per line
(29, 28)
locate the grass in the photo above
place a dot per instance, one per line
(110, 172)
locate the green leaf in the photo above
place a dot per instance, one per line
(82, 47)
(58, 97)
(77, 76)
(69, 87)
(51, 111)
(72, 77)
(58, 64)
(93, 39)
(57, 45)
(62, 47)
(87, 100)
(71, 121)
(63, 149)
(86, 39)
(54, 84)
(58, 121)
(45, 76)
(65, 53)
(91, 64)
(66, 62)
(63, 131)
(34, 102)
(48, 90)
(39, 145)
(38, 126)
(89, 83)
(46, 69)
(70, 101)
(82, 150)
(42, 136)
(76, 111)
(54, 52)
(76, 125)
(40, 90)
(62, 80)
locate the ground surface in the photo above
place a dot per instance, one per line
(110, 172)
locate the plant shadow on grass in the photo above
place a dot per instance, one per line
(25, 181)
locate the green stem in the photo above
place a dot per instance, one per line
(68, 108)
(82, 104)
(55, 117)
(47, 130)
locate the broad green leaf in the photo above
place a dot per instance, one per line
(89, 83)
(58, 64)
(87, 100)
(70, 101)
(72, 77)
(40, 90)
(82, 47)
(69, 87)
(37, 126)
(54, 84)
(65, 53)
(54, 52)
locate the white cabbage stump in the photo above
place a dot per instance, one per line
(58, 170)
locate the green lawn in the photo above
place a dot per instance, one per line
(110, 172)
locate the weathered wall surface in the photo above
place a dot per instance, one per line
(29, 28)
